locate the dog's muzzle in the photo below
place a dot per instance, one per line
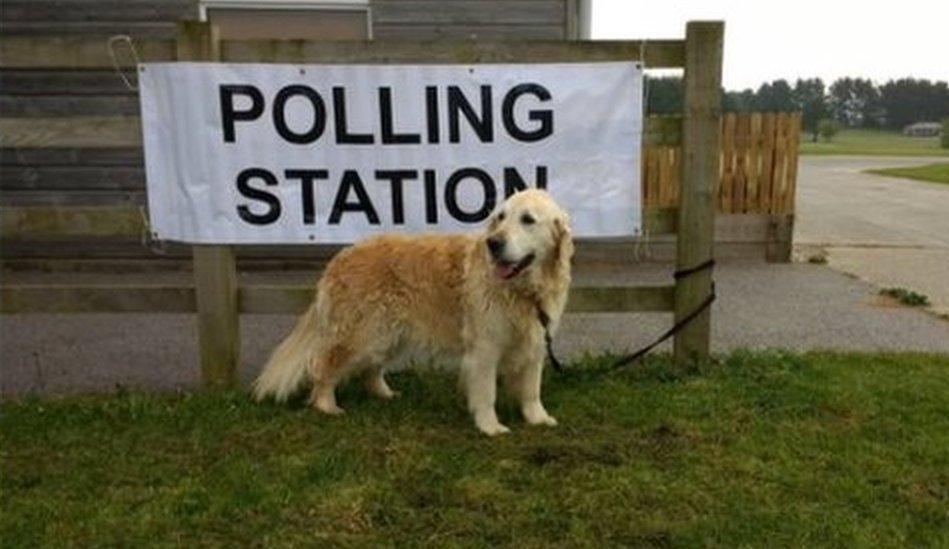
(506, 269)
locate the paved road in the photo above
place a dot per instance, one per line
(886, 230)
(797, 306)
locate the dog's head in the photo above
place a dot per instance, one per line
(528, 231)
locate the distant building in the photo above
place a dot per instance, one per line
(923, 129)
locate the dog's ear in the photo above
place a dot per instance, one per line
(563, 241)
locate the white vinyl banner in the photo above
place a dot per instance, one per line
(255, 154)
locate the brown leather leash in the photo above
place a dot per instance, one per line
(625, 360)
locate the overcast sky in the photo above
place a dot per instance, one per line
(766, 40)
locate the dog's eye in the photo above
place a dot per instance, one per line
(501, 216)
(527, 219)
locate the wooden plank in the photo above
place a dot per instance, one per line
(794, 138)
(71, 198)
(660, 221)
(282, 299)
(748, 232)
(780, 162)
(89, 29)
(743, 228)
(766, 180)
(668, 181)
(780, 235)
(73, 132)
(40, 222)
(742, 135)
(700, 168)
(616, 299)
(662, 131)
(41, 157)
(59, 52)
(276, 298)
(650, 177)
(19, 298)
(91, 11)
(269, 299)
(659, 53)
(483, 12)
(111, 249)
(752, 164)
(85, 53)
(518, 33)
(727, 169)
(85, 221)
(572, 19)
(65, 178)
(68, 105)
(53, 82)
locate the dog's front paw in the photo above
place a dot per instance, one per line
(488, 424)
(535, 414)
(494, 430)
(549, 421)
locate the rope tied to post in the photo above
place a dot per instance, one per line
(110, 45)
(633, 357)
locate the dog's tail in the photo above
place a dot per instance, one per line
(286, 369)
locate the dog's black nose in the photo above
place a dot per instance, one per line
(496, 246)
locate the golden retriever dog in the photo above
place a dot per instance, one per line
(471, 299)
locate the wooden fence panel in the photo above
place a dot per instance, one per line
(758, 170)
(752, 165)
(727, 168)
(742, 148)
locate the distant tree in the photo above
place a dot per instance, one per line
(738, 101)
(775, 97)
(868, 103)
(730, 101)
(664, 95)
(855, 102)
(810, 100)
(909, 100)
(746, 98)
(828, 128)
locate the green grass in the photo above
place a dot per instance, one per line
(762, 449)
(906, 297)
(934, 173)
(873, 143)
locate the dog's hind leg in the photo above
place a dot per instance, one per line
(328, 370)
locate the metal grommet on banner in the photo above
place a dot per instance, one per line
(150, 238)
(110, 44)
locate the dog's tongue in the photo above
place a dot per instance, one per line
(504, 271)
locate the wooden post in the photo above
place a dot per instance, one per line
(779, 247)
(215, 269)
(215, 286)
(198, 41)
(701, 133)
